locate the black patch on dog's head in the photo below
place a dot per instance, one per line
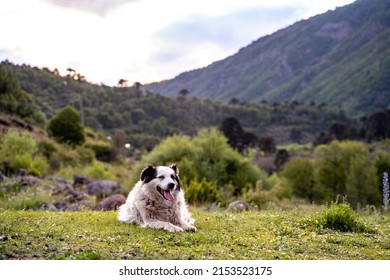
(148, 173)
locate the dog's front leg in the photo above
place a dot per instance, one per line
(162, 225)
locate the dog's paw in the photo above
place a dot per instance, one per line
(172, 228)
(189, 228)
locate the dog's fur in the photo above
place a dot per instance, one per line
(157, 201)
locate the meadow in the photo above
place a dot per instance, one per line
(297, 234)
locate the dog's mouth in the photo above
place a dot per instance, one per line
(167, 194)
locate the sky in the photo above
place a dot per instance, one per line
(140, 40)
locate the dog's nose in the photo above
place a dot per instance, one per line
(171, 186)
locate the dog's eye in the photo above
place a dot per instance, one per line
(161, 177)
(173, 177)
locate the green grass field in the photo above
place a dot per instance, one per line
(249, 235)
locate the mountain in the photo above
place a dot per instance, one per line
(340, 58)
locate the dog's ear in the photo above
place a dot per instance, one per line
(175, 168)
(148, 173)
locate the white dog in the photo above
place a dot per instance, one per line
(157, 201)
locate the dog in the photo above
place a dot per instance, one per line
(157, 201)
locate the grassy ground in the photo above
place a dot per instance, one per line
(249, 235)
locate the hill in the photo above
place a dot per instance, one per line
(341, 58)
(142, 118)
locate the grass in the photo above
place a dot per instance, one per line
(249, 235)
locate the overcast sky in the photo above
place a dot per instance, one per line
(140, 40)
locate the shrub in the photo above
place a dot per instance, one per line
(201, 192)
(259, 196)
(30, 198)
(39, 166)
(207, 155)
(19, 150)
(340, 216)
(104, 151)
(66, 127)
(97, 171)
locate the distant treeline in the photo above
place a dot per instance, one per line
(145, 118)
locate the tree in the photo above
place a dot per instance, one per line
(233, 131)
(66, 127)
(184, 92)
(377, 126)
(267, 144)
(14, 100)
(281, 158)
(344, 168)
(300, 174)
(237, 137)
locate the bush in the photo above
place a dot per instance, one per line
(19, 150)
(30, 198)
(97, 171)
(259, 196)
(66, 127)
(104, 151)
(207, 155)
(340, 216)
(201, 192)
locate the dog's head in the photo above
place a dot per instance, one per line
(163, 180)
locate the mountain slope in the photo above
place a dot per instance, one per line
(341, 58)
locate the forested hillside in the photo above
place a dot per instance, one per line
(143, 118)
(341, 58)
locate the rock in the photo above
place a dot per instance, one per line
(80, 180)
(3, 177)
(49, 207)
(110, 203)
(63, 187)
(103, 187)
(28, 181)
(21, 172)
(238, 206)
(60, 205)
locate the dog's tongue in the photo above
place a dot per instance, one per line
(168, 195)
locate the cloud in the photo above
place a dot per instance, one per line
(219, 35)
(99, 7)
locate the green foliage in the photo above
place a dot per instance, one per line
(207, 155)
(19, 150)
(201, 192)
(19, 199)
(103, 150)
(259, 196)
(382, 165)
(39, 166)
(344, 168)
(98, 171)
(66, 127)
(340, 216)
(146, 119)
(14, 100)
(300, 174)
